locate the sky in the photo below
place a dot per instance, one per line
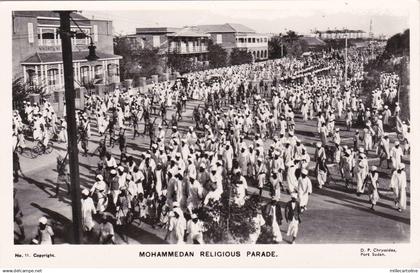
(263, 16)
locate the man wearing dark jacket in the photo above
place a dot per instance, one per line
(292, 214)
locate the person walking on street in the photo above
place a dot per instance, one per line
(396, 155)
(371, 182)
(195, 230)
(398, 184)
(63, 175)
(45, 233)
(106, 231)
(273, 218)
(292, 214)
(88, 210)
(304, 189)
(17, 212)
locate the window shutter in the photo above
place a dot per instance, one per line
(31, 33)
(95, 33)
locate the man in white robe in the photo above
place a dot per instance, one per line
(304, 189)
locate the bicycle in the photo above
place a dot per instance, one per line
(39, 149)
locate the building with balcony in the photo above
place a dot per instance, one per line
(231, 36)
(37, 56)
(338, 34)
(185, 41)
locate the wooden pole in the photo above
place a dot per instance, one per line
(71, 124)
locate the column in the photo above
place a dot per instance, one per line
(24, 74)
(55, 38)
(40, 32)
(41, 80)
(36, 74)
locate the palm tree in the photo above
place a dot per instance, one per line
(22, 90)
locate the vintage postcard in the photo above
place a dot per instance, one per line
(209, 133)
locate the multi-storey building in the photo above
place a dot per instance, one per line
(37, 56)
(338, 34)
(185, 41)
(231, 36)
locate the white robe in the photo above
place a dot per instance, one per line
(292, 182)
(304, 189)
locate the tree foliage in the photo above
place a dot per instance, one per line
(217, 55)
(398, 45)
(225, 222)
(240, 56)
(19, 93)
(276, 48)
(287, 44)
(179, 63)
(137, 61)
(22, 90)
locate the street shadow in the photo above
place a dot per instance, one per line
(60, 224)
(386, 197)
(376, 212)
(59, 148)
(40, 185)
(62, 192)
(143, 236)
(345, 197)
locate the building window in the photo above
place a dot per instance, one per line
(31, 33)
(98, 72)
(113, 70)
(249, 40)
(48, 38)
(218, 38)
(84, 74)
(156, 41)
(30, 79)
(81, 37)
(265, 40)
(253, 40)
(52, 75)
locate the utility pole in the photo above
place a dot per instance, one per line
(345, 61)
(66, 46)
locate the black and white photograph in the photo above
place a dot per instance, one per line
(281, 124)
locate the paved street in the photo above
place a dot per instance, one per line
(334, 214)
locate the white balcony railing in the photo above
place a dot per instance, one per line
(186, 50)
(249, 45)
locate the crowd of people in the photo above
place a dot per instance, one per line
(243, 138)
